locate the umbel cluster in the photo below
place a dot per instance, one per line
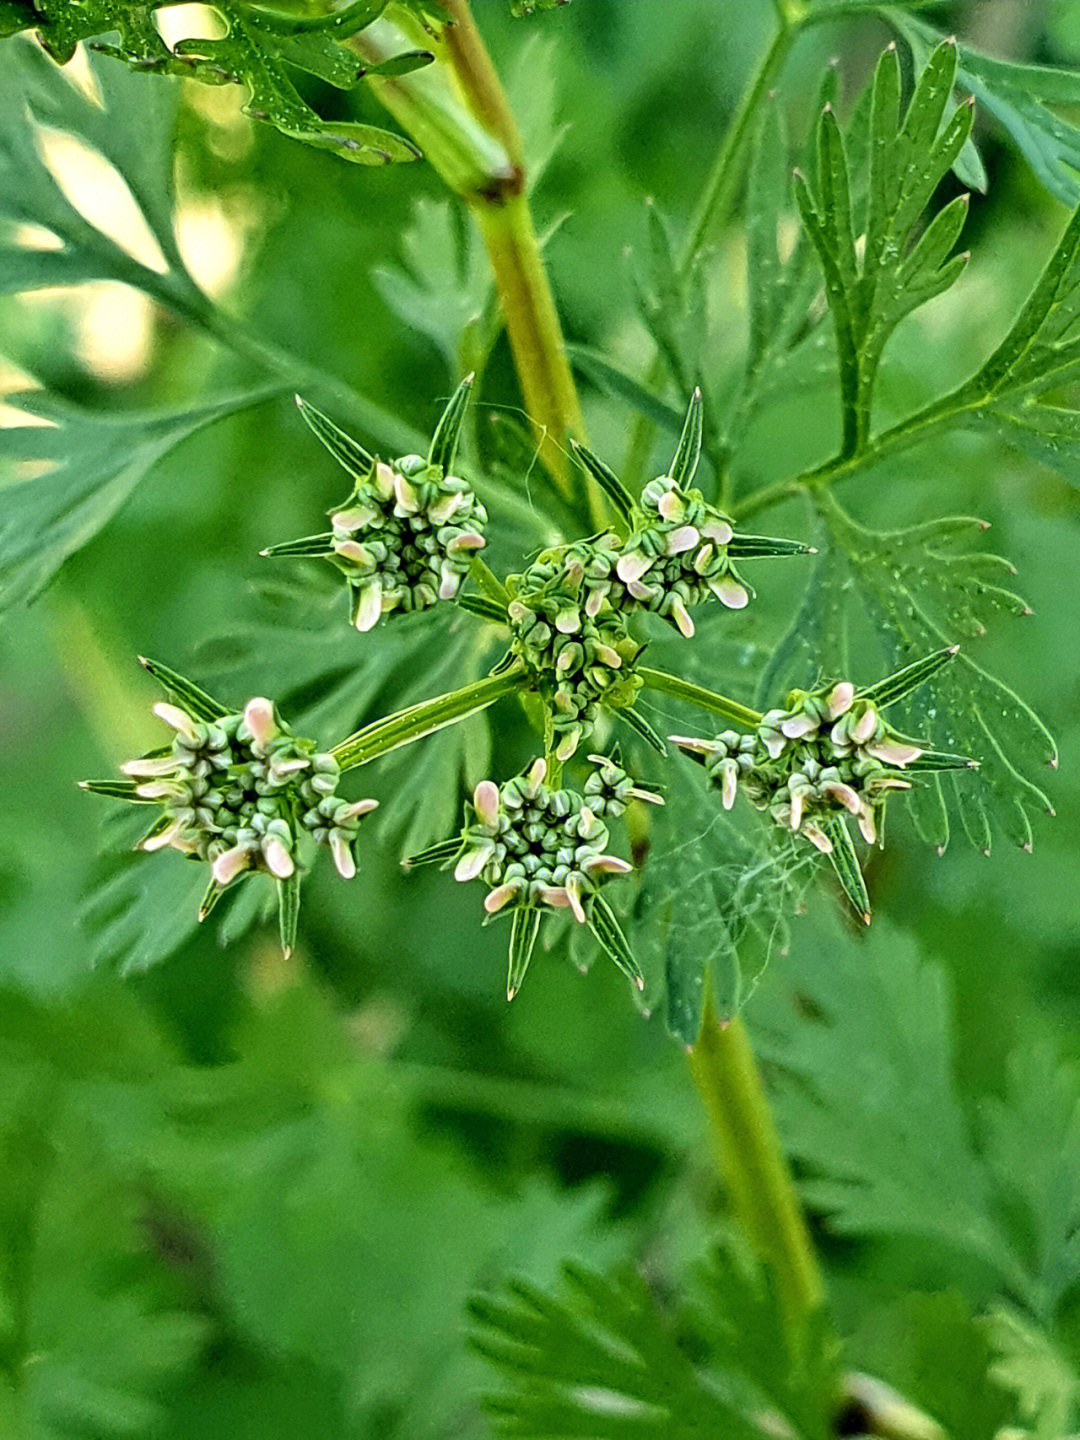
(238, 791)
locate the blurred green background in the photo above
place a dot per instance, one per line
(247, 1197)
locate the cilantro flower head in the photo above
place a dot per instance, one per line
(826, 755)
(241, 792)
(405, 537)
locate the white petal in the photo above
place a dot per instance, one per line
(555, 896)
(177, 718)
(573, 894)
(356, 811)
(353, 551)
(406, 497)
(152, 765)
(839, 699)
(730, 785)
(608, 865)
(730, 593)
(343, 857)
(718, 530)
(796, 726)
(471, 863)
(685, 538)
(228, 865)
(818, 837)
(162, 840)
(632, 567)
(370, 608)
(670, 506)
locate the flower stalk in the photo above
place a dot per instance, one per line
(457, 111)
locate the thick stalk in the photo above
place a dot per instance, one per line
(712, 209)
(752, 1164)
(468, 134)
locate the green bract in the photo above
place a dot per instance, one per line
(241, 792)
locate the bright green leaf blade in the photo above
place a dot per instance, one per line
(349, 454)
(608, 481)
(189, 696)
(93, 463)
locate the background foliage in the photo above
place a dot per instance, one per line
(251, 1197)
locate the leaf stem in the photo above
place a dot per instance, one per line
(920, 426)
(698, 695)
(751, 1161)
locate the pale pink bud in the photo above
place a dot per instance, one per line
(607, 656)
(537, 774)
(638, 590)
(471, 863)
(447, 507)
(162, 840)
(817, 838)
(633, 566)
(670, 506)
(730, 593)
(685, 538)
(405, 495)
(864, 727)
(486, 802)
(259, 719)
(795, 814)
(796, 726)
(867, 826)
(502, 895)
(845, 795)
(356, 811)
(681, 616)
(704, 558)
(467, 540)
(718, 530)
(278, 860)
(554, 895)
(607, 865)
(729, 786)
(449, 581)
(155, 790)
(894, 752)
(573, 894)
(354, 518)
(369, 610)
(152, 765)
(594, 603)
(839, 699)
(352, 551)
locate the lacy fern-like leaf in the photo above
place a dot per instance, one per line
(868, 1104)
(872, 290)
(91, 463)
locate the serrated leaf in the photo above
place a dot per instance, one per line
(1029, 1364)
(140, 150)
(923, 588)
(92, 463)
(909, 155)
(1019, 98)
(602, 1359)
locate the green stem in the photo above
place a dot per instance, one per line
(713, 208)
(413, 723)
(918, 427)
(752, 1164)
(698, 695)
(469, 136)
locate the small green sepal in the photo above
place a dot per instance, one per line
(185, 692)
(685, 460)
(349, 453)
(447, 432)
(608, 481)
(523, 933)
(609, 936)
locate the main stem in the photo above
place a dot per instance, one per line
(752, 1164)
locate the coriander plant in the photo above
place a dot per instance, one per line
(571, 669)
